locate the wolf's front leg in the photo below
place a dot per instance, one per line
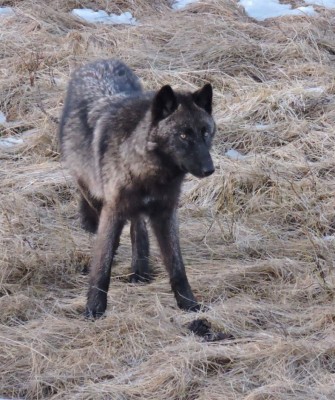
(109, 231)
(165, 226)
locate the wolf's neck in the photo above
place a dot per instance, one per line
(143, 157)
(139, 144)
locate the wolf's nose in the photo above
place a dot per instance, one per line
(208, 171)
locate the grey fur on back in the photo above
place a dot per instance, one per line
(102, 78)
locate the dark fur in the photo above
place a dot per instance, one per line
(129, 151)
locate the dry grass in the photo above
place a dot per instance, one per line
(258, 237)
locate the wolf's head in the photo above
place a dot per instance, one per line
(183, 128)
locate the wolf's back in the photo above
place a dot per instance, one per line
(90, 85)
(104, 78)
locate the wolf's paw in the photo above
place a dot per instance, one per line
(96, 304)
(140, 278)
(195, 308)
(189, 305)
(93, 314)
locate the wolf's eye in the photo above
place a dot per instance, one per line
(183, 136)
(204, 132)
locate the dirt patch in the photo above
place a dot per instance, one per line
(202, 327)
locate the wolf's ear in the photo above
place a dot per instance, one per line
(203, 97)
(164, 103)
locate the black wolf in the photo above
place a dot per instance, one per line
(129, 151)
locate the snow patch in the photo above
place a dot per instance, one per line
(3, 120)
(178, 4)
(10, 142)
(329, 238)
(324, 3)
(6, 12)
(317, 89)
(103, 17)
(263, 9)
(263, 127)
(234, 155)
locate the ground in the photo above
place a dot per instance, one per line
(258, 236)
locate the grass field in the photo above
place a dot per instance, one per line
(258, 236)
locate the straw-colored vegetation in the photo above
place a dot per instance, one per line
(258, 236)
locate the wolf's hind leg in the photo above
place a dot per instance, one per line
(140, 251)
(90, 209)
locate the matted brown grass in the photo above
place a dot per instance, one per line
(258, 236)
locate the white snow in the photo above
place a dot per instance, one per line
(6, 12)
(103, 17)
(2, 122)
(234, 154)
(263, 127)
(324, 3)
(10, 142)
(178, 4)
(329, 238)
(317, 89)
(262, 9)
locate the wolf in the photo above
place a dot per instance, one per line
(129, 151)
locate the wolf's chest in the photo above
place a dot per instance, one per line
(150, 203)
(133, 202)
(148, 200)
